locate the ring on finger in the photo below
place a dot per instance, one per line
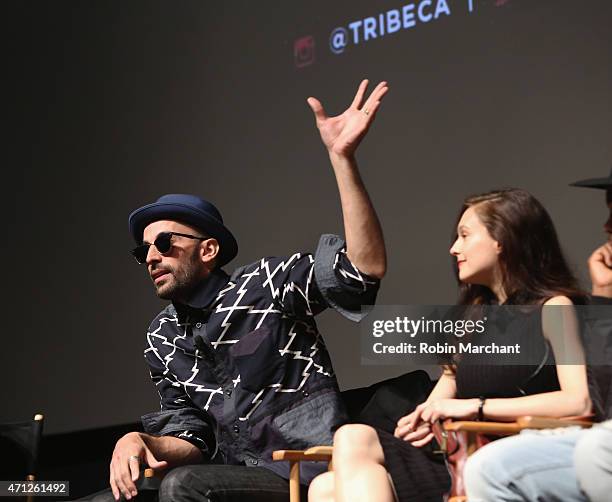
(366, 111)
(134, 457)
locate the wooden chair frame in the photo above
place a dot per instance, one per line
(314, 454)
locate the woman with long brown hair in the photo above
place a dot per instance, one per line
(506, 251)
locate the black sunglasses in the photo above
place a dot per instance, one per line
(163, 243)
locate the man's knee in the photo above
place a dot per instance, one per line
(175, 486)
(213, 483)
(102, 496)
(481, 474)
(488, 471)
(594, 445)
(593, 461)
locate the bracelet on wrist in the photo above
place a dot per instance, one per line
(481, 403)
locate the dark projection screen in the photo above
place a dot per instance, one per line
(120, 102)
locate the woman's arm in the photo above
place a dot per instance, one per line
(561, 329)
(446, 387)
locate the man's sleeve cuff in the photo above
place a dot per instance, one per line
(346, 298)
(189, 424)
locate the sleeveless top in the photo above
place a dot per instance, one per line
(485, 374)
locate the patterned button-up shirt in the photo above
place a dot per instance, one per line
(241, 368)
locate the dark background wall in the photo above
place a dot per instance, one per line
(119, 102)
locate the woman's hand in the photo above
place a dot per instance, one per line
(342, 134)
(450, 408)
(410, 428)
(416, 427)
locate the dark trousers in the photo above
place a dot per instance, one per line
(212, 483)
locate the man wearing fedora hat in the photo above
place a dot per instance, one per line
(237, 360)
(573, 465)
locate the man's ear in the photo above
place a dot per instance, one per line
(209, 249)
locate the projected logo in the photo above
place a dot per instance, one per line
(338, 40)
(389, 22)
(304, 51)
(402, 18)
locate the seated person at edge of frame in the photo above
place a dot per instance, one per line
(506, 252)
(238, 361)
(572, 464)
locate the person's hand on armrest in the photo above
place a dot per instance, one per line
(137, 448)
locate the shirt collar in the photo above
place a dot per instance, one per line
(205, 292)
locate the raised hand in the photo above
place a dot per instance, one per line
(600, 269)
(343, 133)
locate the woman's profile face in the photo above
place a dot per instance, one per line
(477, 253)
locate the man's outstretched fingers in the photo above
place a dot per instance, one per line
(372, 109)
(377, 94)
(360, 93)
(317, 109)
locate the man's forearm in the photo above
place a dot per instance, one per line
(365, 245)
(173, 450)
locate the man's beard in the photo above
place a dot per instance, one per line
(180, 282)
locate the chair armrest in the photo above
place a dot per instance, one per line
(530, 422)
(508, 428)
(150, 480)
(316, 454)
(319, 453)
(291, 455)
(500, 428)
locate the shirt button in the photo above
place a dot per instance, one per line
(253, 461)
(228, 392)
(198, 325)
(305, 393)
(236, 429)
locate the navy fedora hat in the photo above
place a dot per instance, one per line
(603, 183)
(189, 209)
